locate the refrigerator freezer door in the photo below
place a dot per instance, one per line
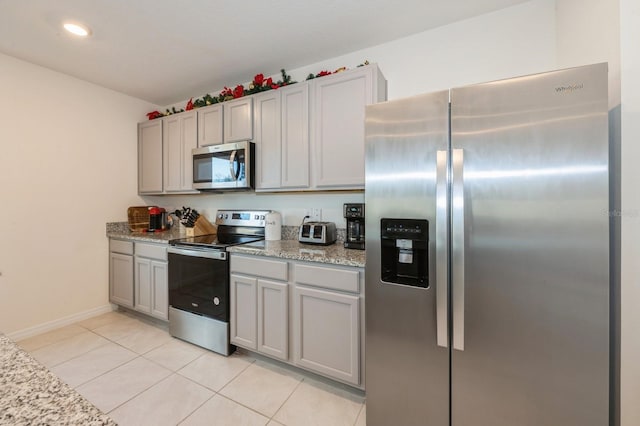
(407, 373)
(536, 283)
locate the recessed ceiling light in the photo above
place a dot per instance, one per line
(77, 29)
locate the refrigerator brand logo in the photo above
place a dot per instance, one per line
(569, 89)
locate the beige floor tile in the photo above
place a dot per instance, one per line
(315, 403)
(144, 338)
(69, 348)
(174, 354)
(41, 340)
(262, 387)
(103, 319)
(274, 423)
(92, 364)
(119, 329)
(220, 411)
(166, 403)
(123, 383)
(214, 371)
(362, 417)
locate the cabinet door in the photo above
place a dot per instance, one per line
(339, 128)
(180, 137)
(267, 139)
(150, 157)
(121, 279)
(142, 284)
(160, 290)
(295, 136)
(244, 312)
(238, 120)
(210, 125)
(273, 319)
(327, 333)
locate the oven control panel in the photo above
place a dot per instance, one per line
(241, 217)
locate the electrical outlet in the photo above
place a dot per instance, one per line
(316, 215)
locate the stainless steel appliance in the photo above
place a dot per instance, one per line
(199, 279)
(487, 264)
(321, 233)
(227, 166)
(354, 213)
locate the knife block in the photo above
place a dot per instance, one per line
(202, 227)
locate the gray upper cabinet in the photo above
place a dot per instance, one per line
(180, 137)
(229, 121)
(337, 142)
(281, 134)
(150, 157)
(238, 120)
(210, 125)
(165, 165)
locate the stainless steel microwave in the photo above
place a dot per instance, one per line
(229, 166)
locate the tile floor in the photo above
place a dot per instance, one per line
(138, 374)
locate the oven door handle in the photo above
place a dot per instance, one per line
(209, 254)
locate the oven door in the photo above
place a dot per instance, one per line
(199, 282)
(222, 166)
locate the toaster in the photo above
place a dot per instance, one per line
(323, 233)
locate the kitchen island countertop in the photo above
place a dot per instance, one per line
(30, 394)
(334, 254)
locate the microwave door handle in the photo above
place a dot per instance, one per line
(232, 163)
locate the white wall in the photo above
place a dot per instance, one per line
(630, 292)
(67, 166)
(514, 41)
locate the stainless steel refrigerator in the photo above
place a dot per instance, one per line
(487, 263)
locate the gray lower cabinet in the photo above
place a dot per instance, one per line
(121, 272)
(259, 305)
(150, 280)
(327, 318)
(306, 314)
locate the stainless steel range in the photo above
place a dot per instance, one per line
(199, 279)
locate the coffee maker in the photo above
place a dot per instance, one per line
(354, 213)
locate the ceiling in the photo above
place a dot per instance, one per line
(168, 51)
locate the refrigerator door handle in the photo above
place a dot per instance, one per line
(457, 248)
(442, 252)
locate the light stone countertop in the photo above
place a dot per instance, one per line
(334, 254)
(120, 230)
(288, 248)
(31, 395)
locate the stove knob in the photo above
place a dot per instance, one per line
(226, 216)
(262, 217)
(220, 216)
(256, 217)
(216, 301)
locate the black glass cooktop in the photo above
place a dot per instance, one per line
(219, 241)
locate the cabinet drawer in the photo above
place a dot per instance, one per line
(266, 268)
(151, 251)
(332, 278)
(119, 246)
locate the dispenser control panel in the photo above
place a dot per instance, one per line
(404, 251)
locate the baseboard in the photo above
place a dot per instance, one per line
(48, 326)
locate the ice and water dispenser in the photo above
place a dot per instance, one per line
(404, 251)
